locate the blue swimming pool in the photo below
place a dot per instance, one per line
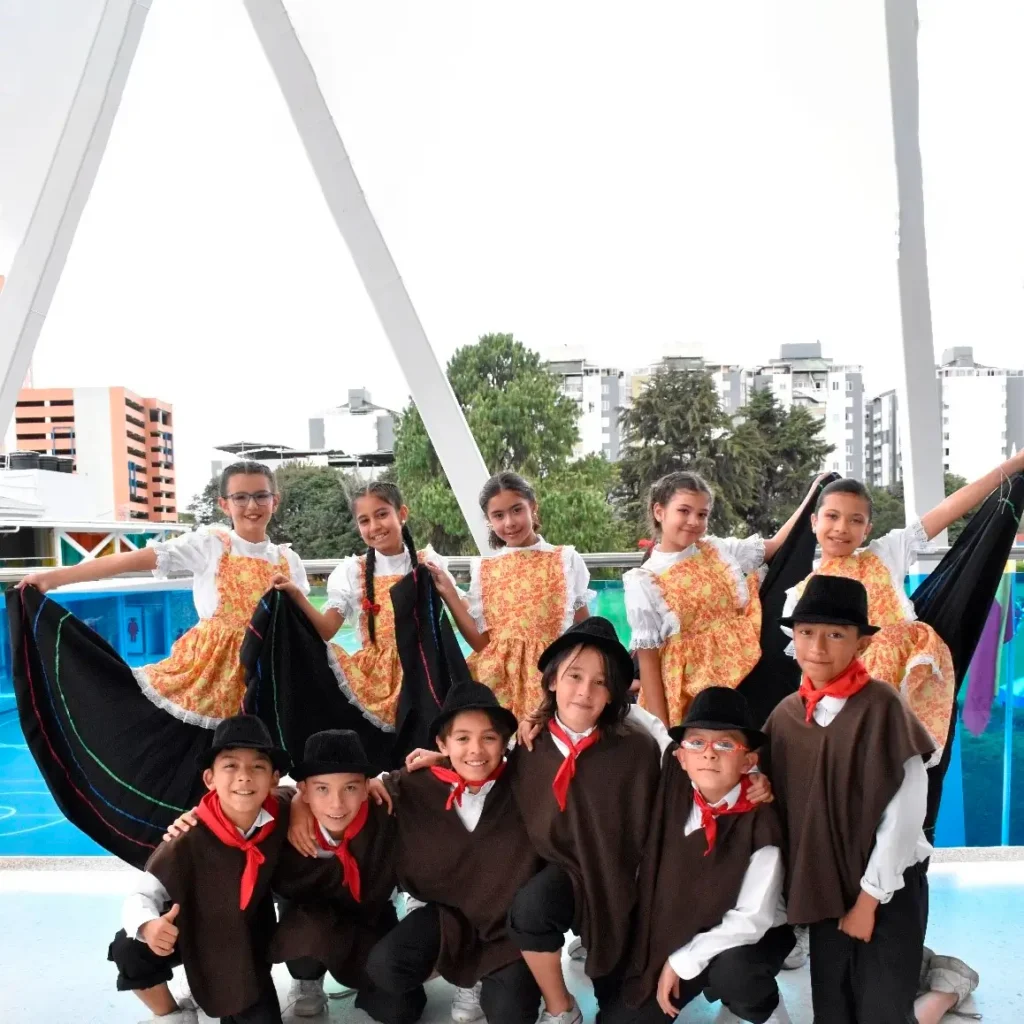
(983, 801)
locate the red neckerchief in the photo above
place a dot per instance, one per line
(211, 814)
(349, 867)
(460, 784)
(709, 814)
(846, 684)
(567, 772)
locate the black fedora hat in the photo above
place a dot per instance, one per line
(720, 707)
(244, 732)
(471, 696)
(593, 632)
(833, 599)
(333, 752)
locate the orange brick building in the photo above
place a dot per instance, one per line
(124, 442)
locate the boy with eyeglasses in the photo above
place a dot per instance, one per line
(711, 917)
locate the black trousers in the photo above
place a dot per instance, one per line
(743, 979)
(542, 911)
(405, 958)
(854, 982)
(139, 968)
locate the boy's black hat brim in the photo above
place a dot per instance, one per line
(305, 769)
(755, 738)
(279, 758)
(833, 620)
(493, 711)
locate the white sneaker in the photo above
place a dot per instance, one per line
(948, 974)
(571, 1016)
(801, 951)
(411, 903)
(180, 1016)
(307, 998)
(926, 962)
(466, 1005)
(577, 951)
(181, 993)
(779, 1016)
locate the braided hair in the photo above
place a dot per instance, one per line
(390, 494)
(662, 491)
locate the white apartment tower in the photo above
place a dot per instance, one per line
(599, 394)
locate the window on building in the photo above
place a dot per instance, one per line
(849, 385)
(947, 453)
(605, 406)
(835, 385)
(849, 447)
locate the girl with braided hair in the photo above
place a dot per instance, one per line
(359, 590)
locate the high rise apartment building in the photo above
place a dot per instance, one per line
(123, 442)
(600, 394)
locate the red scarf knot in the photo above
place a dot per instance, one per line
(370, 608)
(212, 815)
(709, 815)
(349, 865)
(846, 684)
(459, 784)
(567, 772)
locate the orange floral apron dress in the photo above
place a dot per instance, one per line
(372, 677)
(906, 654)
(525, 599)
(718, 642)
(202, 677)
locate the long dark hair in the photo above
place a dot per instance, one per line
(661, 493)
(847, 486)
(507, 481)
(615, 710)
(393, 496)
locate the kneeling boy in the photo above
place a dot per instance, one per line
(205, 900)
(711, 917)
(336, 907)
(847, 760)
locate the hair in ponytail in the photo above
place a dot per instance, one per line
(507, 481)
(390, 494)
(662, 491)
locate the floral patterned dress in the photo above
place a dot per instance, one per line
(372, 676)
(701, 610)
(907, 654)
(524, 598)
(202, 680)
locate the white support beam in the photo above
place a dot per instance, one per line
(40, 258)
(919, 413)
(442, 415)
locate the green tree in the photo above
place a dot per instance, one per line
(676, 423)
(890, 512)
(521, 422)
(313, 515)
(794, 452)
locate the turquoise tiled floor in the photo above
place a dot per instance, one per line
(56, 925)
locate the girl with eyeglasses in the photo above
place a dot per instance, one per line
(122, 740)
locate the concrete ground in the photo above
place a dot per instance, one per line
(57, 917)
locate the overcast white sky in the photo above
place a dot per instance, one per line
(621, 178)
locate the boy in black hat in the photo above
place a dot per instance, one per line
(711, 917)
(336, 907)
(462, 851)
(205, 900)
(847, 759)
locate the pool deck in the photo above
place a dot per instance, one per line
(58, 915)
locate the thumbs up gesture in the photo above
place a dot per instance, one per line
(161, 933)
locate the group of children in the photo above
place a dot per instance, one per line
(596, 822)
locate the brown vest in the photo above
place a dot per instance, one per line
(832, 785)
(682, 891)
(223, 948)
(321, 919)
(471, 876)
(599, 837)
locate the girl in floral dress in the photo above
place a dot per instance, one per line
(693, 606)
(522, 596)
(116, 744)
(359, 590)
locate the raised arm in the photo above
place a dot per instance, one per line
(960, 502)
(772, 544)
(93, 569)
